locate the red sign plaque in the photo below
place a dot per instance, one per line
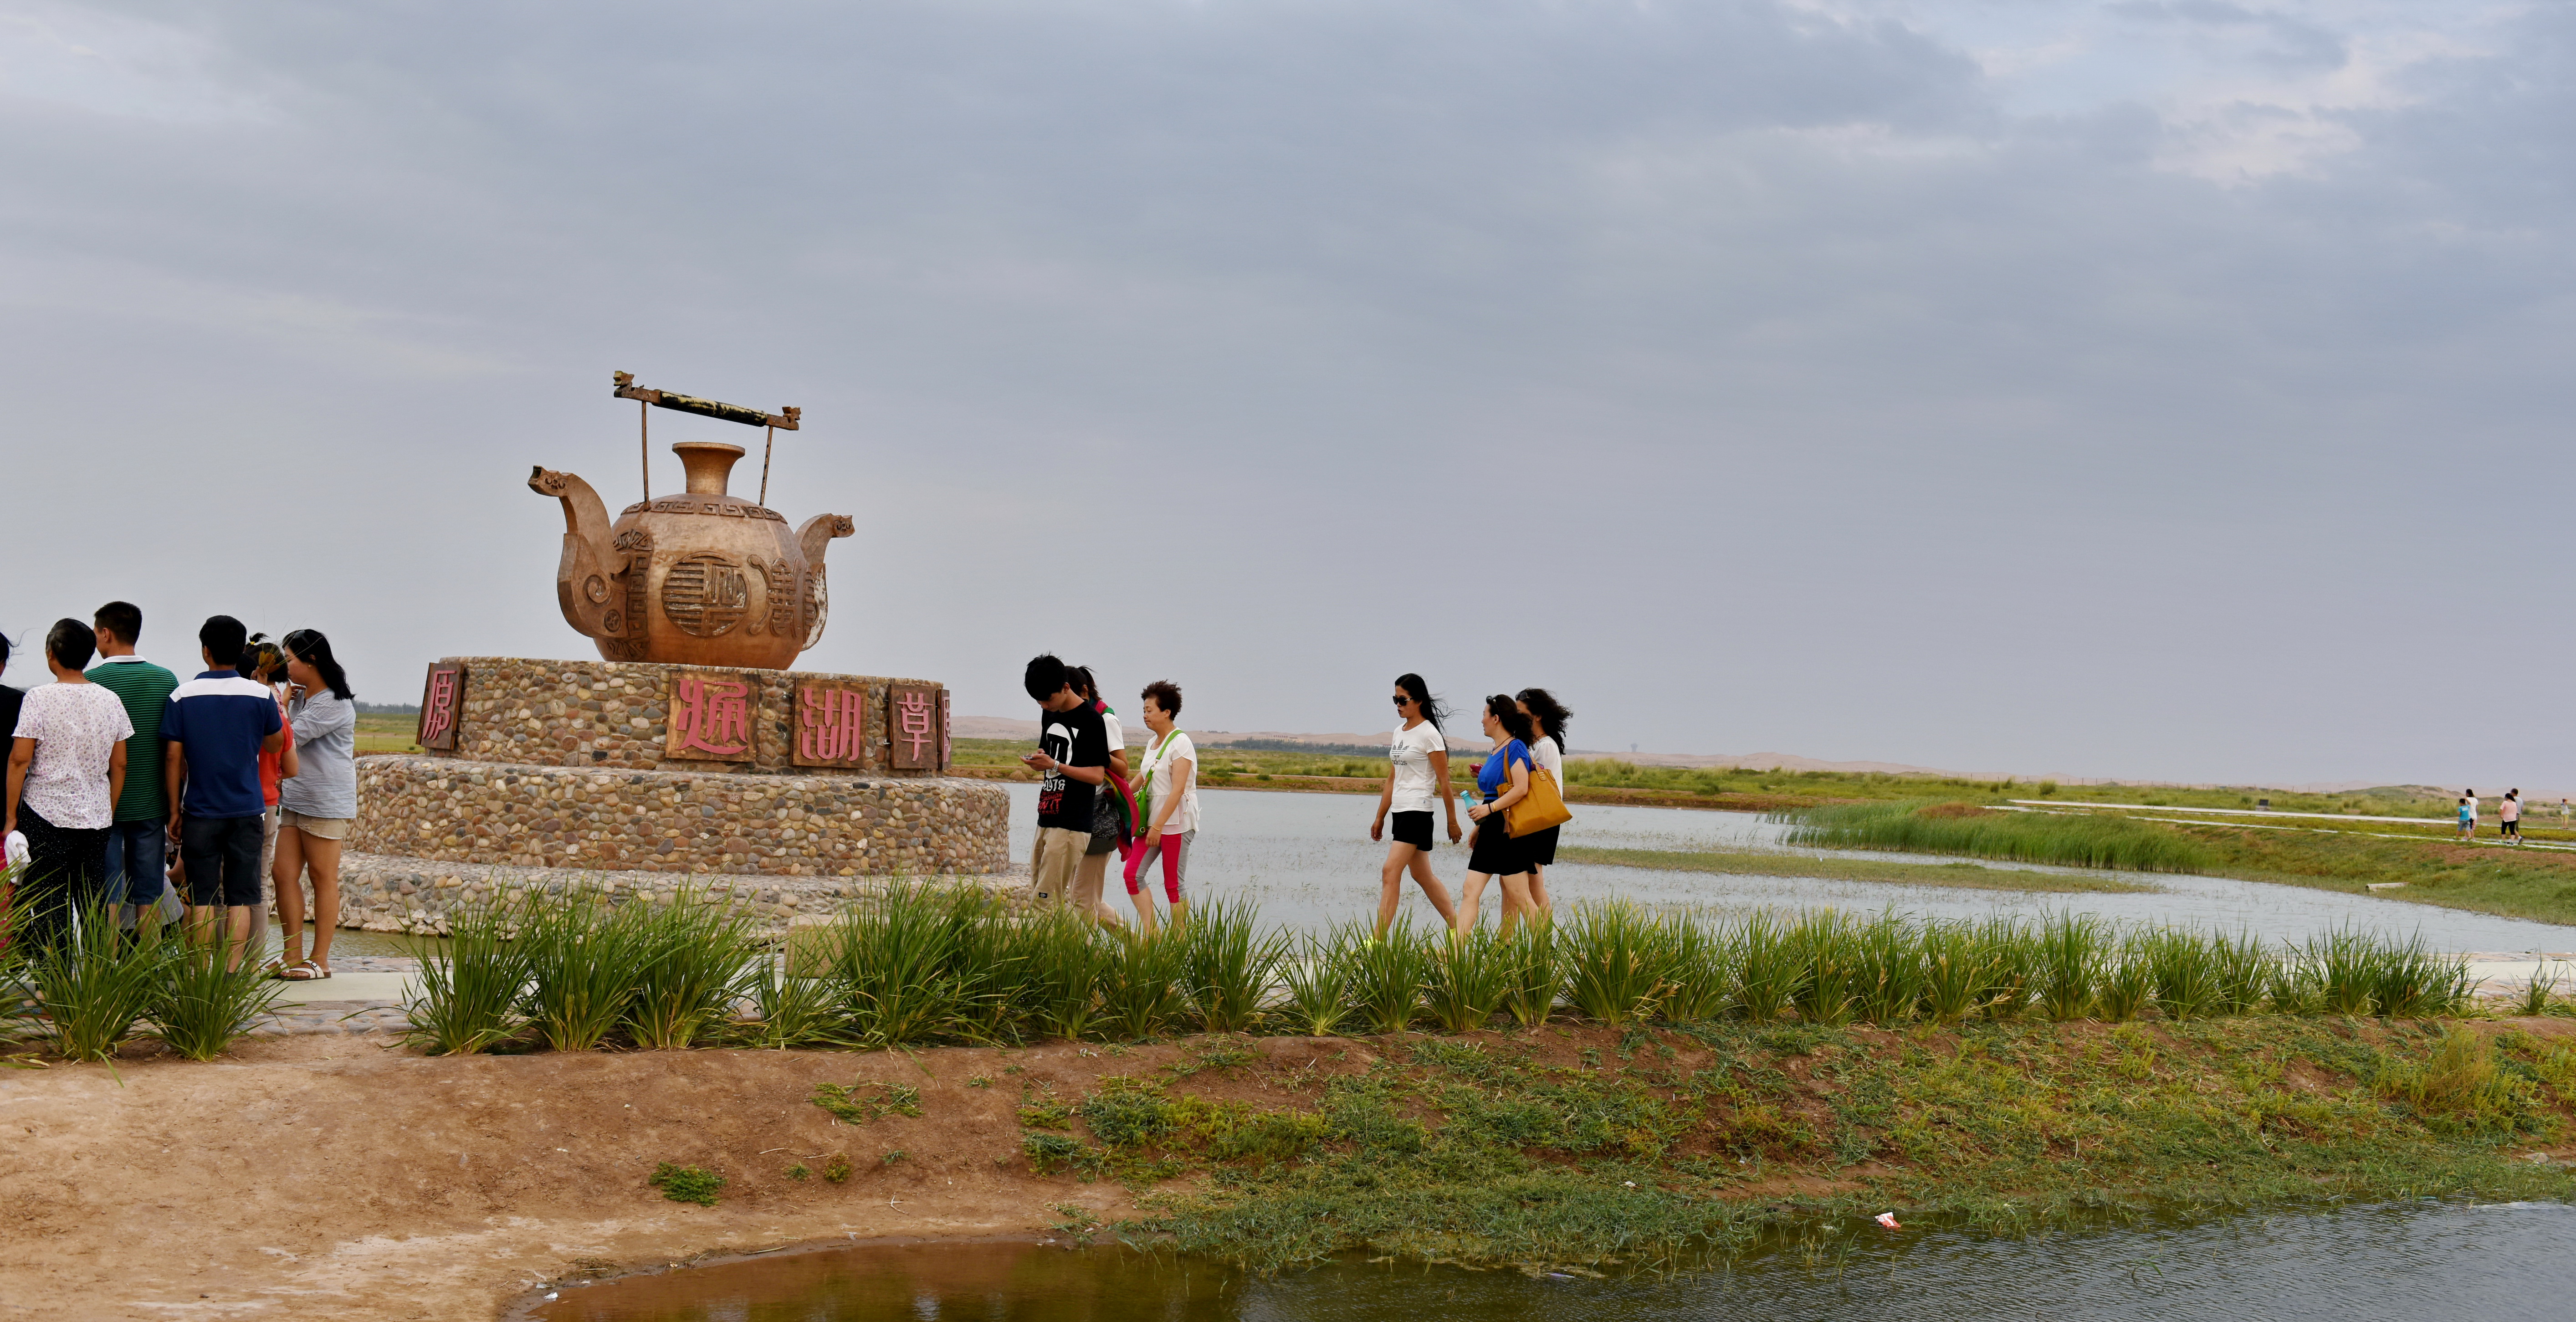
(916, 726)
(442, 706)
(831, 725)
(712, 715)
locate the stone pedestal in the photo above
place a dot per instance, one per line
(793, 789)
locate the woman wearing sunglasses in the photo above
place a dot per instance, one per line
(1417, 775)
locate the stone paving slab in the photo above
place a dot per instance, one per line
(349, 985)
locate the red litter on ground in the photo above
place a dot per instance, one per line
(1888, 1219)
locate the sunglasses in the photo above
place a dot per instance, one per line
(1401, 700)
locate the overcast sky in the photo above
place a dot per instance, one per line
(2158, 389)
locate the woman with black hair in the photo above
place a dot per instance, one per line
(66, 769)
(1113, 809)
(1547, 718)
(317, 806)
(1503, 781)
(1417, 773)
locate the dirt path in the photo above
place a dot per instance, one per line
(334, 1177)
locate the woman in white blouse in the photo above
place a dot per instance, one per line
(66, 767)
(1167, 793)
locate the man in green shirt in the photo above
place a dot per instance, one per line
(137, 846)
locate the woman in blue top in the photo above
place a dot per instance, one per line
(1503, 781)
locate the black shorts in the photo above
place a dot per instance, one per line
(222, 857)
(1539, 847)
(1413, 828)
(2513, 827)
(1496, 853)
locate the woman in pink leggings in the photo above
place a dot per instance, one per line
(1167, 799)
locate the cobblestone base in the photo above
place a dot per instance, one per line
(386, 893)
(617, 714)
(449, 811)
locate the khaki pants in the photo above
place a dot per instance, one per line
(1053, 862)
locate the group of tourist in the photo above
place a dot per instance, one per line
(2508, 815)
(131, 790)
(1527, 734)
(1092, 804)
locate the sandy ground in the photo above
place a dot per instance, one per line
(338, 1177)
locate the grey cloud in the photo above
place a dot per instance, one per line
(1802, 395)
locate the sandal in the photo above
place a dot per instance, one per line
(308, 971)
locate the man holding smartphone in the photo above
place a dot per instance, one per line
(1073, 755)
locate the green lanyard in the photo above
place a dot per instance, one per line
(1154, 762)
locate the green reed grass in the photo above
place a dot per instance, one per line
(2346, 970)
(467, 998)
(1062, 959)
(1469, 977)
(893, 963)
(1144, 992)
(583, 955)
(1828, 943)
(794, 1009)
(2185, 969)
(984, 953)
(206, 1003)
(1231, 967)
(2012, 972)
(1322, 979)
(1956, 969)
(2536, 993)
(1890, 961)
(2128, 983)
(1771, 971)
(1699, 971)
(1615, 958)
(1387, 976)
(697, 956)
(2244, 972)
(2072, 951)
(95, 982)
(2067, 839)
(1534, 973)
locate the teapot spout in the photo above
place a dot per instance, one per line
(582, 578)
(816, 536)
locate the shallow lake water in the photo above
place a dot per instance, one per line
(2399, 1263)
(1308, 861)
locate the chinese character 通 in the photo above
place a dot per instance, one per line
(713, 716)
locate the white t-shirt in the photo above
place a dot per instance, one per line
(1117, 732)
(1547, 754)
(76, 728)
(1416, 789)
(1158, 765)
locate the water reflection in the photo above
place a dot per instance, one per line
(2419, 1261)
(1308, 860)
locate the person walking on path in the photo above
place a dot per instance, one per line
(1073, 758)
(1113, 809)
(318, 803)
(137, 851)
(216, 726)
(1547, 717)
(66, 774)
(2468, 815)
(2509, 813)
(1503, 780)
(1167, 796)
(1417, 775)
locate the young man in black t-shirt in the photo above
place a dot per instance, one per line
(1073, 754)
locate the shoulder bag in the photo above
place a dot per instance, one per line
(1541, 808)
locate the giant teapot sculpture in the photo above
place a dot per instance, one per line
(704, 578)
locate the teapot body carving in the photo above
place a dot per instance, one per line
(702, 578)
